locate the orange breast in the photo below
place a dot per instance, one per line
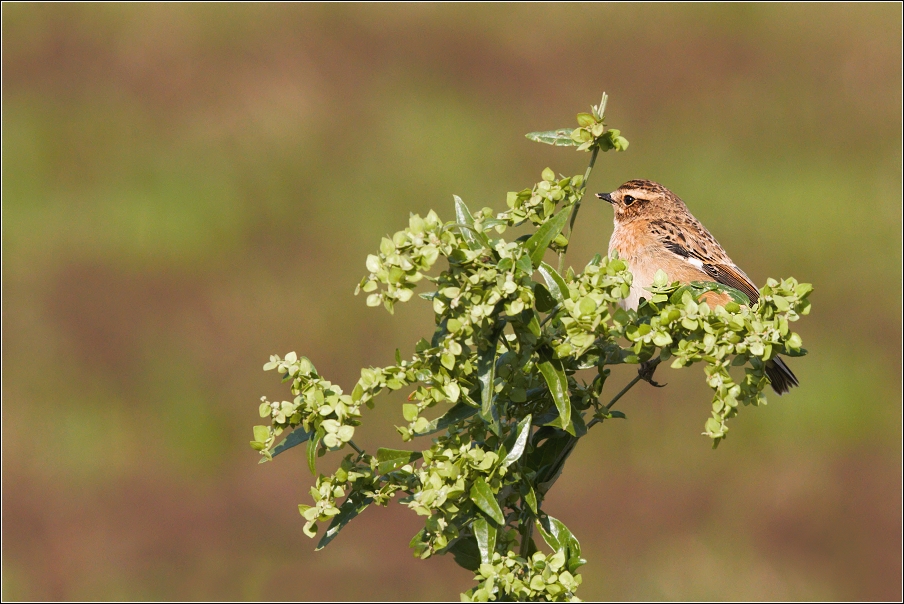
(645, 255)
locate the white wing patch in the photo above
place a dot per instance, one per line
(695, 262)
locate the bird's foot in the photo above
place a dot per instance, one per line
(646, 371)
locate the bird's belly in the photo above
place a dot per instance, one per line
(644, 259)
(643, 278)
(644, 268)
(642, 264)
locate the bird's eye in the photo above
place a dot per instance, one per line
(628, 200)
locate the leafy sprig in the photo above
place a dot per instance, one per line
(510, 334)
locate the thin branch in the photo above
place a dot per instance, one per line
(644, 373)
(577, 204)
(624, 390)
(555, 309)
(527, 535)
(630, 385)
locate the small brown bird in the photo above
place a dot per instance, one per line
(654, 230)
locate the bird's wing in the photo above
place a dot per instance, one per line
(731, 275)
(694, 244)
(690, 241)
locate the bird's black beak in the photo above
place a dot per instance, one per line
(605, 197)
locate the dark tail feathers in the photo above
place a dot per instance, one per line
(781, 377)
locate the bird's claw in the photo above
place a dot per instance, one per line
(646, 371)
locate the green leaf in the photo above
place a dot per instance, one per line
(545, 301)
(558, 537)
(539, 241)
(554, 282)
(493, 222)
(713, 425)
(389, 460)
(463, 216)
(550, 456)
(530, 498)
(485, 533)
(577, 428)
(533, 325)
(524, 265)
(803, 289)
(559, 138)
(261, 433)
(483, 498)
(586, 120)
(555, 378)
(735, 294)
(587, 306)
(409, 412)
(466, 553)
(312, 450)
(537, 583)
(698, 288)
(572, 430)
(460, 411)
(516, 450)
(353, 505)
(297, 437)
(486, 374)
(660, 279)
(420, 425)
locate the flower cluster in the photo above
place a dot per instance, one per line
(539, 203)
(541, 578)
(587, 303)
(319, 407)
(591, 131)
(402, 261)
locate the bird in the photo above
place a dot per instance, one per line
(654, 230)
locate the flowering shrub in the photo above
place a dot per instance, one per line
(511, 331)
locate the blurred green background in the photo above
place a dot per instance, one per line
(188, 189)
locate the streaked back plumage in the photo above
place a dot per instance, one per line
(655, 230)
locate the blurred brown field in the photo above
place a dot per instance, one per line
(190, 188)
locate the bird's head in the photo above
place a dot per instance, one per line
(641, 199)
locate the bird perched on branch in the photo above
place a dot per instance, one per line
(654, 230)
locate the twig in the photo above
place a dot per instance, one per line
(527, 535)
(551, 314)
(577, 204)
(644, 373)
(355, 447)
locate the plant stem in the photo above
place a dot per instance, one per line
(355, 447)
(624, 390)
(577, 205)
(630, 385)
(545, 484)
(527, 528)
(527, 533)
(551, 314)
